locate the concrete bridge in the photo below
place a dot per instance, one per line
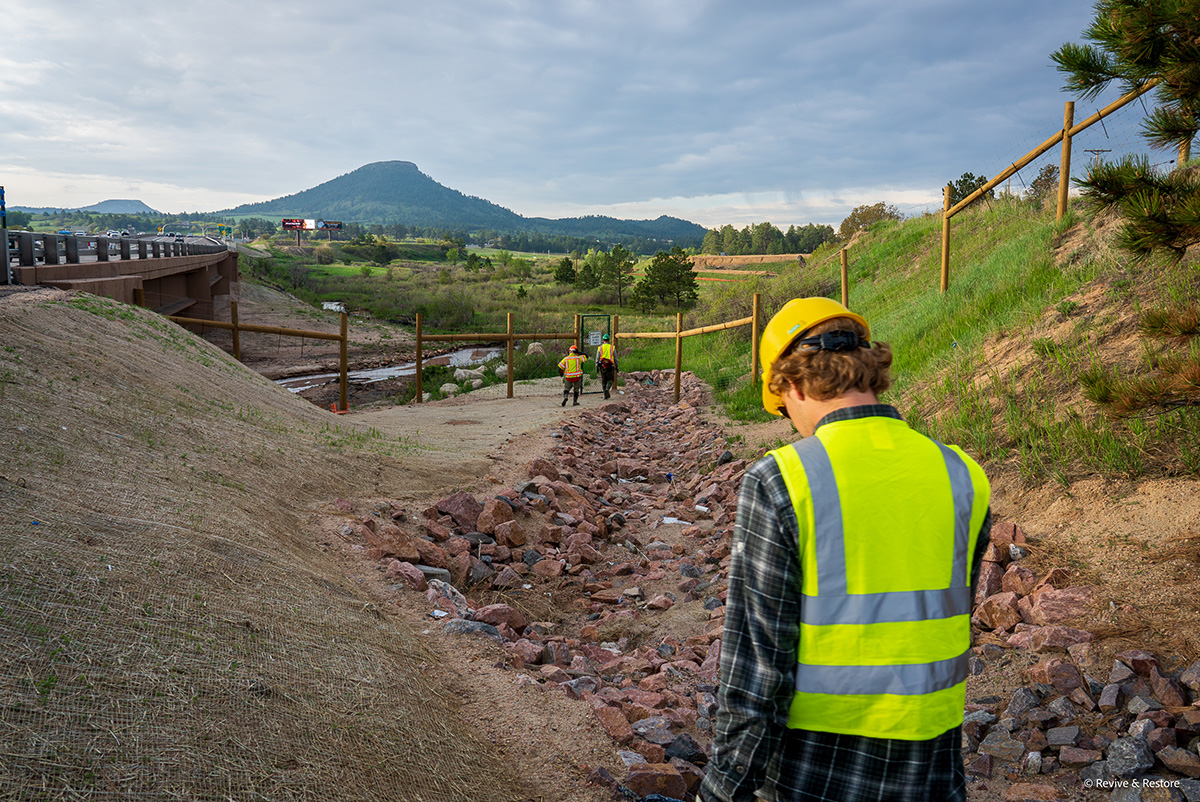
(169, 275)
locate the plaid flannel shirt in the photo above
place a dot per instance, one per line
(752, 744)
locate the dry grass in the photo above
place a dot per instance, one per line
(172, 628)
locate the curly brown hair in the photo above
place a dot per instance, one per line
(828, 374)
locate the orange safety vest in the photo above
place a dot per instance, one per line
(572, 365)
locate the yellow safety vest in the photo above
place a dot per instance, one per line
(572, 365)
(605, 352)
(888, 522)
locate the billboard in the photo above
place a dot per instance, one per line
(298, 224)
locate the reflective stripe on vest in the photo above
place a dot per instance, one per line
(605, 352)
(872, 608)
(572, 365)
(889, 664)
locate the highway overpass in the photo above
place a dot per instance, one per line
(173, 276)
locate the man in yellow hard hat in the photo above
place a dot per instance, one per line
(570, 367)
(855, 550)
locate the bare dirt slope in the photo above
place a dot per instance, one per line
(175, 623)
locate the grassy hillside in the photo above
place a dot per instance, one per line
(1023, 360)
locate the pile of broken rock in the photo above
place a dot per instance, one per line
(631, 516)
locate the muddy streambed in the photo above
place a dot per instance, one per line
(386, 379)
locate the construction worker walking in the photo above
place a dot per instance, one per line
(571, 369)
(854, 555)
(606, 364)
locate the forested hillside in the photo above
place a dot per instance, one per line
(397, 192)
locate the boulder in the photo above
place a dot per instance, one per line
(999, 611)
(462, 507)
(1052, 606)
(1019, 580)
(409, 573)
(991, 576)
(494, 512)
(497, 614)
(615, 724)
(510, 533)
(1179, 760)
(664, 779)
(542, 467)
(1057, 638)
(1129, 757)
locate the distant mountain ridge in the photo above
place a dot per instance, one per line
(397, 192)
(103, 207)
(120, 207)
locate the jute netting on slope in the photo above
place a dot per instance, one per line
(167, 628)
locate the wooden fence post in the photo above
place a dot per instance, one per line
(419, 393)
(237, 335)
(616, 324)
(579, 332)
(946, 239)
(1064, 169)
(510, 355)
(755, 327)
(845, 280)
(678, 351)
(344, 403)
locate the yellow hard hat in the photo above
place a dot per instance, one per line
(797, 316)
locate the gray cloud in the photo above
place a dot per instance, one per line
(717, 111)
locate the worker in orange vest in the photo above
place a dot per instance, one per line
(571, 369)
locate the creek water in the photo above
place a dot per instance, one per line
(466, 357)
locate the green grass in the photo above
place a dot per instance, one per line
(1003, 278)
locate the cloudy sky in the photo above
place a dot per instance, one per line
(717, 111)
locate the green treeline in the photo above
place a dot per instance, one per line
(765, 238)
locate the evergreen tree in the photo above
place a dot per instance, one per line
(1137, 42)
(588, 277)
(1044, 183)
(965, 185)
(808, 238)
(669, 277)
(565, 272)
(617, 271)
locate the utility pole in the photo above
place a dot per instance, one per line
(1097, 152)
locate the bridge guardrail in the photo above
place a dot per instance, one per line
(30, 248)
